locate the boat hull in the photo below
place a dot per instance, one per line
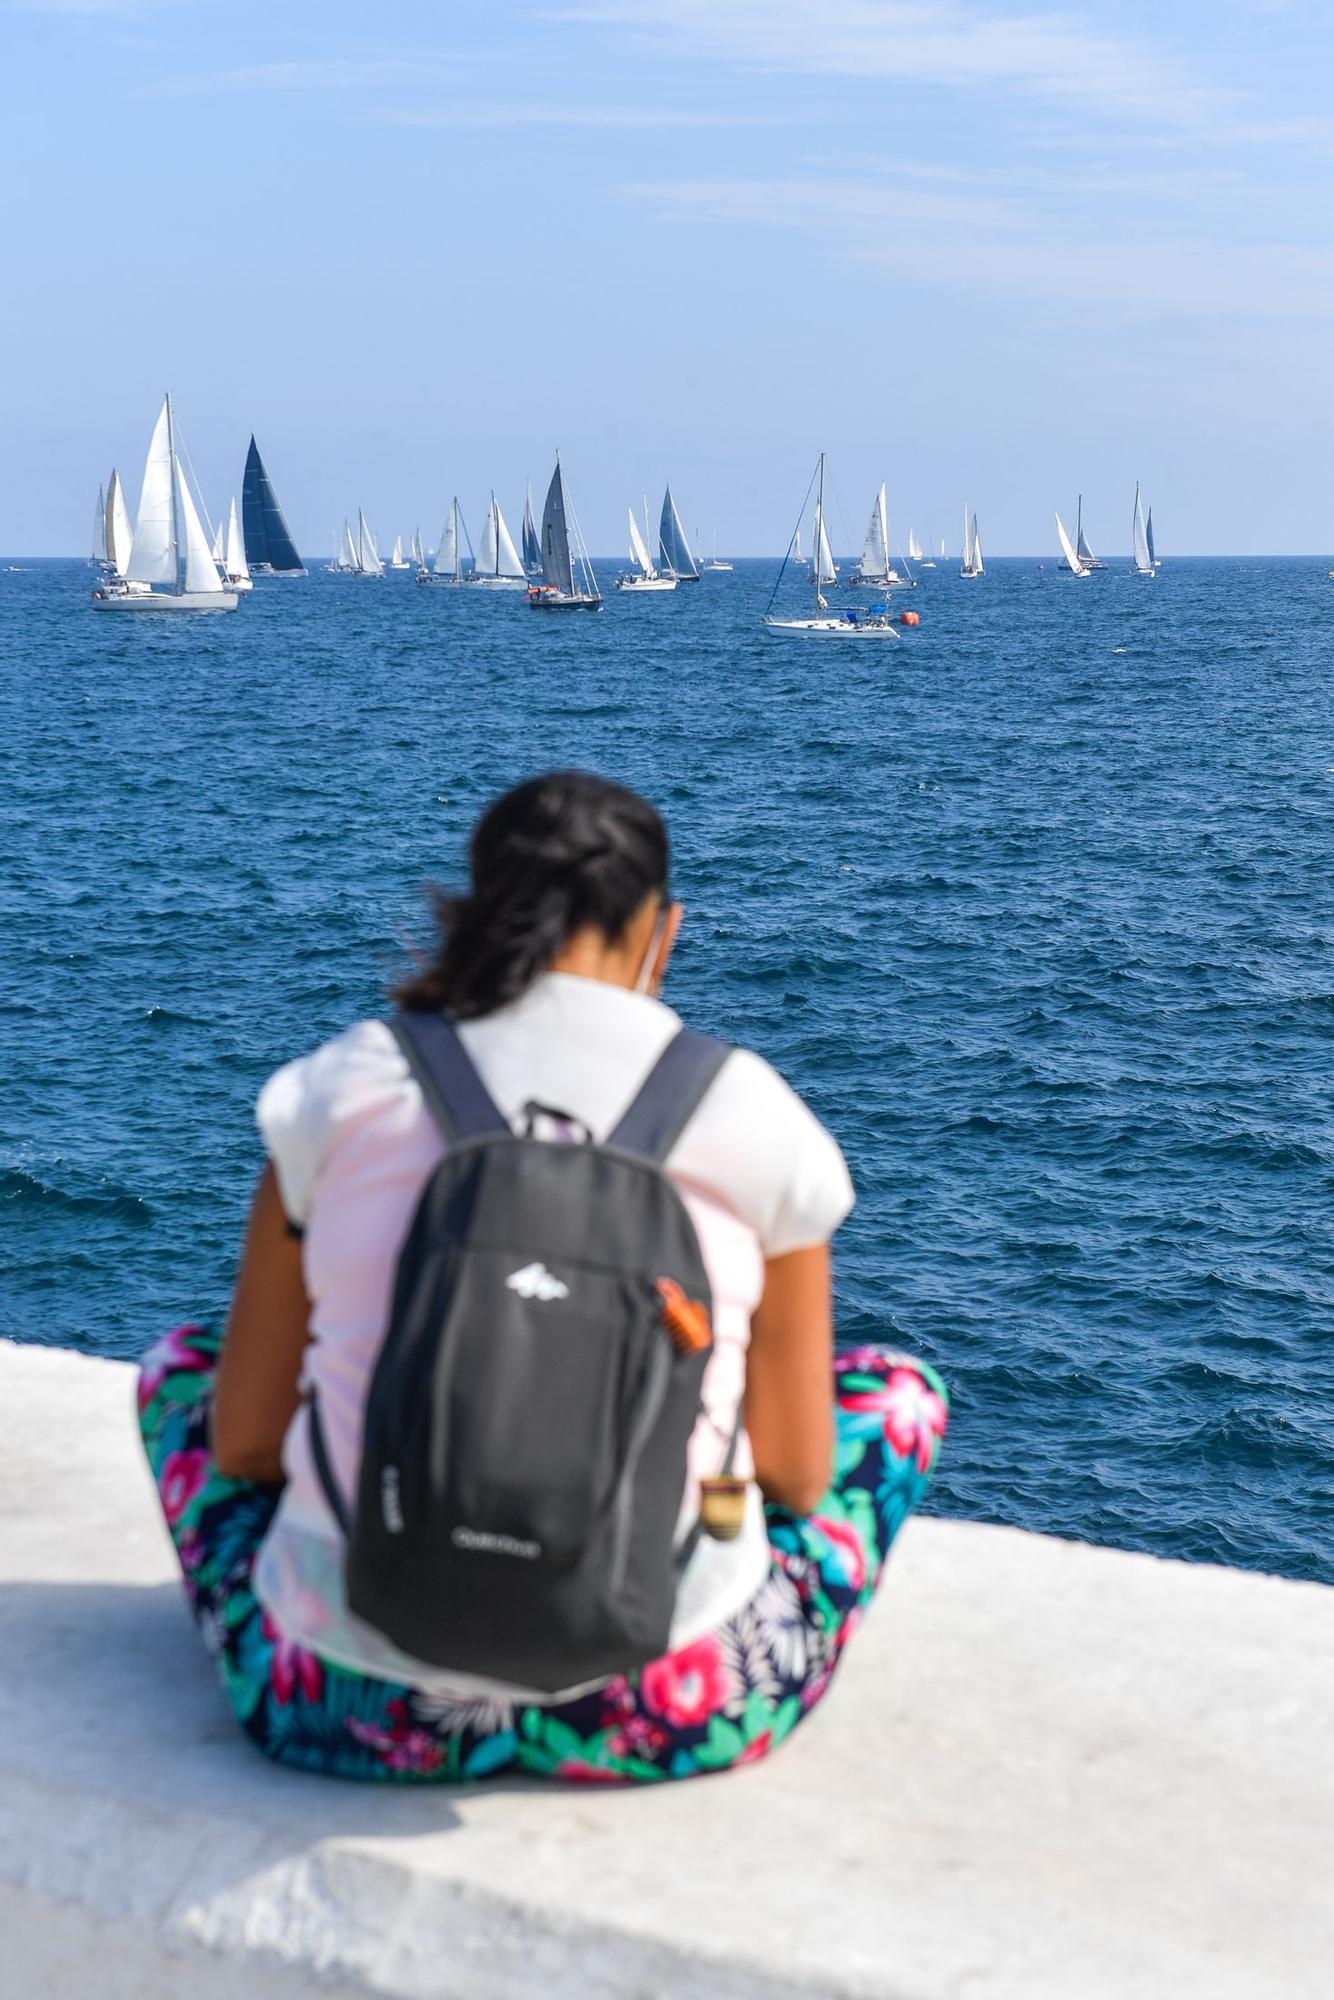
(153, 600)
(647, 582)
(827, 628)
(542, 599)
(500, 582)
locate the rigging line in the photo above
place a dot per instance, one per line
(848, 542)
(801, 514)
(183, 451)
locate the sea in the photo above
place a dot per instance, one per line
(1035, 906)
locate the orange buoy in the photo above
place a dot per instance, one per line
(910, 617)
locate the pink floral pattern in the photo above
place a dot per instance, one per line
(914, 1415)
(688, 1686)
(182, 1479)
(291, 1667)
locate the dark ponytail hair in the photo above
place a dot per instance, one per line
(553, 855)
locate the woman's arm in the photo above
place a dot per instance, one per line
(790, 1380)
(267, 1331)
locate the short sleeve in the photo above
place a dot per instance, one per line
(758, 1145)
(303, 1105)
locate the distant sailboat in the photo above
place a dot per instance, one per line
(915, 551)
(1139, 538)
(794, 554)
(928, 561)
(1069, 551)
(120, 536)
(397, 559)
(368, 552)
(1082, 549)
(268, 543)
(972, 563)
(498, 565)
(169, 547)
(568, 582)
(871, 624)
(713, 563)
(673, 544)
(98, 558)
(532, 548)
(418, 552)
(643, 576)
(449, 562)
(876, 569)
(235, 568)
(345, 559)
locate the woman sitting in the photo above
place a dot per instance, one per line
(800, 1467)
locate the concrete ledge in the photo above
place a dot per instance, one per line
(1047, 1771)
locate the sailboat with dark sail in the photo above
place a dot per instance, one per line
(677, 559)
(269, 547)
(568, 582)
(532, 548)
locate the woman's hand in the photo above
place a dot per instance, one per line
(790, 1380)
(267, 1330)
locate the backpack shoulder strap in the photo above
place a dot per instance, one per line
(455, 1095)
(670, 1095)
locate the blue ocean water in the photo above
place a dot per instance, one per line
(1036, 907)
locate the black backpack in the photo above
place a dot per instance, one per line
(524, 1447)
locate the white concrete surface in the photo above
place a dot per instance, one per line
(1047, 1773)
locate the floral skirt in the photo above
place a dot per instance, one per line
(724, 1699)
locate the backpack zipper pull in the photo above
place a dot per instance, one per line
(686, 1320)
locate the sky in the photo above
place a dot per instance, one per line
(1001, 253)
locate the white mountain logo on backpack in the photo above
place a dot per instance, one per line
(534, 1281)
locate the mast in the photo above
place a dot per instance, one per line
(175, 521)
(819, 538)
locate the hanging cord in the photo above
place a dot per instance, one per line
(183, 450)
(792, 538)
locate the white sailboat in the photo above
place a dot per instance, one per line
(418, 552)
(713, 563)
(856, 624)
(119, 534)
(972, 563)
(397, 559)
(1139, 538)
(235, 568)
(1082, 549)
(915, 550)
(448, 567)
(368, 549)
(568, 582)
(795, 555)
(643, 576)
(170, 548)
(876, 569)
(1073, 565)
(498, 566)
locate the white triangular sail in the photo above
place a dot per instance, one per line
(914, 548)
(1068, 548)
(447, 554)
(120, 536)
(418, 552)
(153, 554)
(347, 554)
(496, 553)
(218, 552)
(234, 562)
(979, 567)
(825, 571)
(639, 554)
(1139, 538)
(971, 564)
(368, 555)
(875, 554)
(396, 558)
(200, 572)
(1082, 549)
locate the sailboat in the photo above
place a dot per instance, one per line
(119, 534)
(568, 582)
(1082, 549)
(643, 576)
(368, 549)
(345, 561)
(1139, 538)
(269, 547)
(1148, 536)
(1073, 564)
(713, 563)
(235, 569)
(794, 554)
(532, 548)
(871, 624)
(397, 559)
(876, 569)
(216, 550)
(498, 565)
(972, 563)
(98, 558)
(916, 553)
(170, 547)
(448, 566)
(673, 545)
(418, 552)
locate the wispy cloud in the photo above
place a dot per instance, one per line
(593, 117)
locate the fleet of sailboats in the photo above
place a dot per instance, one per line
(568, 582)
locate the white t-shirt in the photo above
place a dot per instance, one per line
(353, 1143)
